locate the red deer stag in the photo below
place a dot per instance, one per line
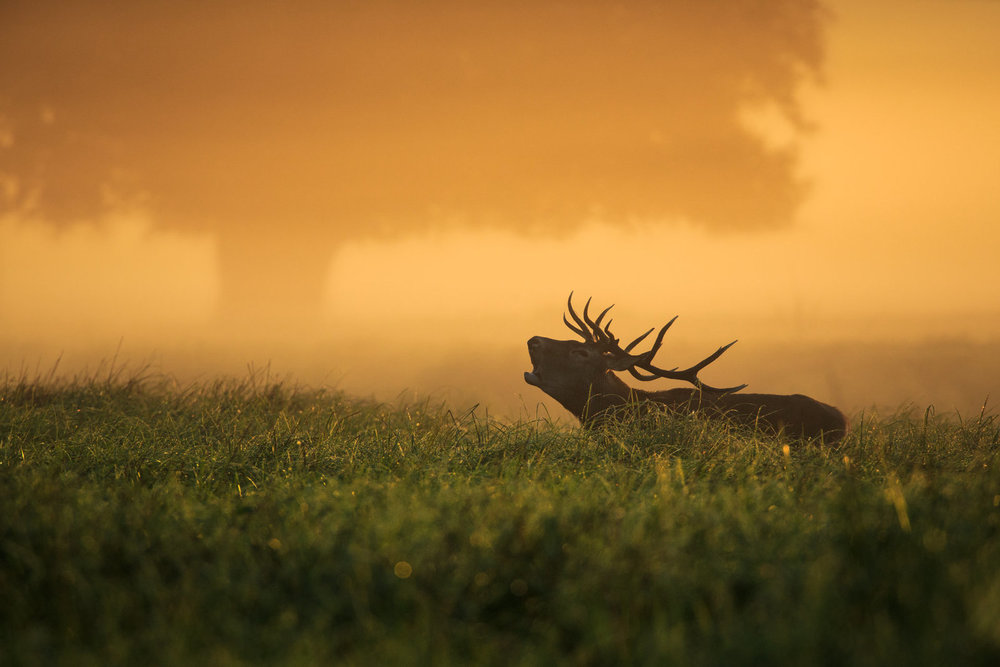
(581, 377)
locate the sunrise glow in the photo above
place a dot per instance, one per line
(394, 198)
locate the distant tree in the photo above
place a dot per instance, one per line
(286, 128)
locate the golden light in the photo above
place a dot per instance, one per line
(406, 195)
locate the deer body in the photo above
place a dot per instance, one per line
(581, 377)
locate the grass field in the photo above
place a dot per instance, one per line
(251, 522)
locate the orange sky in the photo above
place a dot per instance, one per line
(896, 240)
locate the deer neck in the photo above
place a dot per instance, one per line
(611, 392)
(606, 393)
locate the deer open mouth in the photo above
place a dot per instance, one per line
(534, 377)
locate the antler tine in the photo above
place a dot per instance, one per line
(639, 376)
(644, 362)
(597, 322)
(691, 374)
(710, 358)
(572, 328)
(659, 339)
(591, 331)
(605, 333)
(599, 335)
(607, 329)
(582, 330)
(628, 348)
(586, 316)
(651, 353)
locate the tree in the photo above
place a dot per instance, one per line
(289, 127)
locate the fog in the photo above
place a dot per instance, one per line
(837, 214)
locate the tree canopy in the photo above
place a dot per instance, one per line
(321, 121)
(393, 114)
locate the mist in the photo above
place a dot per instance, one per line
(446, 318)
(837, 215)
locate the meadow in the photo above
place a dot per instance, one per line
(247, 521)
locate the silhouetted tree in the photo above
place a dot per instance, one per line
(287, 127)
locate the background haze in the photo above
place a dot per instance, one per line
(389, 199)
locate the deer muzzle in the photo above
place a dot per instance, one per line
(533, 377)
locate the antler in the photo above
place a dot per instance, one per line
(591, 332)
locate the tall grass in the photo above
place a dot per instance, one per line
(249, 521)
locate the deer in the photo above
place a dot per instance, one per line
(581, 376)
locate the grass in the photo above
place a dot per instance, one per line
(256, 523)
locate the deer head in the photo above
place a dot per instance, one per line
(580, 375)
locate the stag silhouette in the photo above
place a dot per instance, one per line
(581, 377)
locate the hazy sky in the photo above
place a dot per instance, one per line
(890, 195)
